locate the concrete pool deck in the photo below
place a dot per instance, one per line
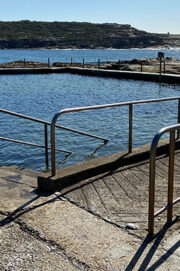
(146, 76)
(85, 226)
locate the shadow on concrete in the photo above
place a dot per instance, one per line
(67, 188)
(73, 174)
(12, 216)
(157, 241)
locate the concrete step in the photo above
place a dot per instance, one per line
(18, 176)
(24, 171)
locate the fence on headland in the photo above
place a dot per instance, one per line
(159, 65)
(117, 65)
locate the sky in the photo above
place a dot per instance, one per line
(156, 16)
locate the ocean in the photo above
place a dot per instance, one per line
(90, 56)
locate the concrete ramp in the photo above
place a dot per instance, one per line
(84, 226)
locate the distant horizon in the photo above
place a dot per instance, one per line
(153, 16)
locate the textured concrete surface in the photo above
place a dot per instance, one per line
(84, 227)
(21, 250)
(82, 171)
(121, 196)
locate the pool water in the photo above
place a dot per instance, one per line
(41, 96)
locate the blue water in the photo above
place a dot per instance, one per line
(88, 55)
(41, 96)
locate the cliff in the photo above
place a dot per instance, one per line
(28, 34)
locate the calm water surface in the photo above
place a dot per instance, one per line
(89, 55)
(41, 96)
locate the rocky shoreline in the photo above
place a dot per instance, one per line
(168, 65)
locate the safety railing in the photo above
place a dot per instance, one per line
(96, 107)
(170, 202)
(46, 124)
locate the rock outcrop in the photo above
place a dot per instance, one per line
(27, 34)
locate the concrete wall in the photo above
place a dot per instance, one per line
(154, 77)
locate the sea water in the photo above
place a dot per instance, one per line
(90, 56)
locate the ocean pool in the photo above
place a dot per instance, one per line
(41, 96)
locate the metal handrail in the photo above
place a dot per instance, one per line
(49, 123)
(46, 124)
(31, 144)
(95, 107)
(170, 201)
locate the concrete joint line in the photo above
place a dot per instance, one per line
(102, 218)
(58, 249)
(4, 213)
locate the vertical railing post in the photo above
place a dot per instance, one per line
(53, 148)
(83, 63)
(151, 191)
(98, 63)
(53, 158)
(178, 131)
(171, 175)
(130, 127)
(46, 145)
(141, 66)
(160, 69)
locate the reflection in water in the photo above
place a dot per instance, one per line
(169, 86)
(90, 156)
(63, 161)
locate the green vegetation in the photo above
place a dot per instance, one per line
(32, 34)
